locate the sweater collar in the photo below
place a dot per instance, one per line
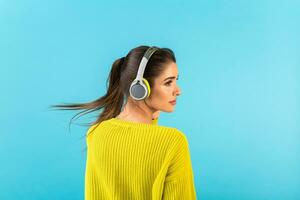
(132, 123)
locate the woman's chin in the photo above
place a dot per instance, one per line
(169, 109)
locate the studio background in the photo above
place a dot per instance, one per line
(239, 73)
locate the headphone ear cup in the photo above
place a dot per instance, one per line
(148, 87)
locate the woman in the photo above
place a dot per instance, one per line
(129, 155)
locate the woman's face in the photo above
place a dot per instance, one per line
(165, 89)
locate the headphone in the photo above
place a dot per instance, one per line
(140, 88)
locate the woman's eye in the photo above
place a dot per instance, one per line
(168, 83)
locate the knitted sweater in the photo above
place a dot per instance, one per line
(128, 160)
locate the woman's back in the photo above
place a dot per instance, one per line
(130, 160)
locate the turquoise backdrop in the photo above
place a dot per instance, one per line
(239, 69)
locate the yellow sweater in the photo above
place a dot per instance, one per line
(130, 160)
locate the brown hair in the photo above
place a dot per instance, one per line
(123, 72)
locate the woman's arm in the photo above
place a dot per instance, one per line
(179, 181)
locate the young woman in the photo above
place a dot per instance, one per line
(130, 156)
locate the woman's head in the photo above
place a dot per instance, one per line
(161, 72)
(161, 65)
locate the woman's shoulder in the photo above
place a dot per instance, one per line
(156, 128)
(178, 133)
(173, 132)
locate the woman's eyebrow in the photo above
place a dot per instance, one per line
(171, 77)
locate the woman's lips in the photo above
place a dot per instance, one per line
(172, 102)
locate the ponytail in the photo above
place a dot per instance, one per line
(114, 98)
(111, 102)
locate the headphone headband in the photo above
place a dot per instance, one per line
(144, 62)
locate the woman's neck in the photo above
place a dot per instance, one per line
(137, 112)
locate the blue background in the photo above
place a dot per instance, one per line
(239, 73)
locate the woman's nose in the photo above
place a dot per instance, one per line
(178, 91)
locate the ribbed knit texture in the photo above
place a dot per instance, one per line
(128, 160)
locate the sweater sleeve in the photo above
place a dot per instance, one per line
(179, 180)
